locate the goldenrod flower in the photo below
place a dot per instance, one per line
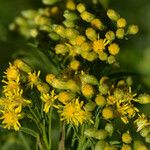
(12, 73)
(113, 49)
(73, 113)
(141, 122)
(33, 78)
(126, 137)
(49, 101)
(11, 119)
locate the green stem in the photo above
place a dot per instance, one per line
(82, 139)
(62, 141)
(44, 135)
(50, 128)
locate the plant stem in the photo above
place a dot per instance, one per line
(50, 128)
(62, 141)
(82, 139)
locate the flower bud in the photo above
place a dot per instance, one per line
(103, 88)
(87, 90)
(90, 132)
(60, 30)
(71, 33)
(103, 56)
(120, 33)
(96, 23)
(113, 15)
(100, 145)
(69, 23)
(90, 106)
(113, 49)
(70, 5)
(61, 49)
(43, 87)
(133, 29)
(70, 15)
(144, 99)
(126, 147)
(147, 138)
(110, 35)
(100, 100)
(126, 138)
(87, 16)
(74, 64)
(86, 46)
(107, 113)
(109, 128)
(144, 132)
(54, 36)
(111, 59)
(86, 78)
(101, 134)
(71, 85)
(81, 7)
(49, 2)
(22, 66)
(121, 23)
(138, 145)
(91, 34)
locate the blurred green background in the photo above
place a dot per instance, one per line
(134, 56)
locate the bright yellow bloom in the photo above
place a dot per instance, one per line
(10, 119)
(12, 73)
(49, 100)
(99, 45)
(141, 122)
(73, 113)
(33, 78)
(11, 85)
(14, 101)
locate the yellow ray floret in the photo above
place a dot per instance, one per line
(49, 100)
(73, 113)
(11, 119)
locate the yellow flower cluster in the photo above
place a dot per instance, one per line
(12, 100)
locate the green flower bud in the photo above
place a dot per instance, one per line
(71, 33)
(87, 16)
(111, 59)
(72, 85)
(54, 36)
(59, 29)
(120, 33)
(103, 89)
(70, 5)
(29, 14)
(144, 99)
(147, 138)
(69, 24)
(96, 23)
(90, 106)
(87, 90)
(126, 138)
(126, 147)
(110, 35)
(86, 46)
(133, 29)
(103, 56)
(109, 128)
(101, 134)
(138, 145)
(121, 23)
(86, 78)
(74, 64)
(144, 132)
(49, 2)
(70, 15)
(61, 49)
(81, 7)
(100, 145)
(91, 34)
(90, 132)
(113, 15)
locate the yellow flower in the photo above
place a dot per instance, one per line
(141, 122)
(33, 78)
(121, 23)
(12, 73)
(99, 45)
(126, 137)
(49, 101)
(14, 101)
(73, 113)
(10, 119)
(107, 113)
(113, 49)
(11, 85)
